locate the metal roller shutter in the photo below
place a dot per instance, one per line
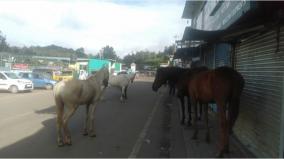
(258, 125)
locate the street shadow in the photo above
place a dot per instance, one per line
(42, 143)
(49, 110)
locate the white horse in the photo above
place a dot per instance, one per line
(120, 81)
(131, 76)
(73, 93)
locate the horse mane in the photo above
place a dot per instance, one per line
(100, 75)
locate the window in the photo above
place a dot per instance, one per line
(2, 77)
(11, 75)
(36, 76)
(25, 75)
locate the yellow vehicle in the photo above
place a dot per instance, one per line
(63, 75)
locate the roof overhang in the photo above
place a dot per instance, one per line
(228, 35)
(191, 34)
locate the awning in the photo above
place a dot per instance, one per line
(186, 53)
(191, 34)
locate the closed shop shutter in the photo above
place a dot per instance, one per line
(258, 125)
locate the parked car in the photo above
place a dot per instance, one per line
(13, 83)
(39, 80)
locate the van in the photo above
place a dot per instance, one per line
(11, 82)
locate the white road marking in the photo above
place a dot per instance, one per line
(136, 148)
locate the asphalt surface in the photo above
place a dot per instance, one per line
(145, 126)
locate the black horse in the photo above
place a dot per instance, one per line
(178, 77)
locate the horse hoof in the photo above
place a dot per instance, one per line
(189, 124)
(226, 150)
(84, 133)
(68, 143)
(219, 155)
(207, 140)
(60, 144)
(92, 135)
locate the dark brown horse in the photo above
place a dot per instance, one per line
(167, 75)
(182, 85)
(223, 85)
(177, 77)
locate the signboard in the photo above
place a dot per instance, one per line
(96, 64)
(20, 66)
(218, 15)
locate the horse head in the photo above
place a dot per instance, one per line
(160, 79)
(102, 76)
(105, 76)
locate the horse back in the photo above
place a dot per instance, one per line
(186, 76)
(200, 86)
(119, 80)
(76, 91)
(232, 78)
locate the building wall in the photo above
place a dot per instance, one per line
(218, 15)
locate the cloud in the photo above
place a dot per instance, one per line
(69, 22)
(125, 25)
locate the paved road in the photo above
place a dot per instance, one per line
(144, 126)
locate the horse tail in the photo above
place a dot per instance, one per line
(235, 102)
(233, 113)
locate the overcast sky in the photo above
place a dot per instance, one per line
(126, 25)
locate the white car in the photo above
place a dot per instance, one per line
(11, 82)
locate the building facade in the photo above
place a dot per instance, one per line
(248, 36)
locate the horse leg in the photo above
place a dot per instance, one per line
(85, 130)
(125, 92)
(206, 121)
(189, 111)
(122, 97)
(60, 111)
(181, 98)
(170, 92)
(101, 93)
(92, 120)
(200, 112)
(67, 135)
(224, 128)
(194, 103)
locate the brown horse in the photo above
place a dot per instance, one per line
(223, 85)
(182, 85)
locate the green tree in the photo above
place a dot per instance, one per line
(109, 53)
(80, 53)
(169, 50)
(3, 44)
